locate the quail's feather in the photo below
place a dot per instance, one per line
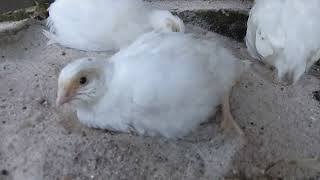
(285, 34)
(100, 25)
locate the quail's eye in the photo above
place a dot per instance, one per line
(83, 80)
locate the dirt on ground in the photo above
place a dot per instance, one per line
(39, 141)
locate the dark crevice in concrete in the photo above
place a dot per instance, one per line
(11, 5)
(226, 22)
(39, 12)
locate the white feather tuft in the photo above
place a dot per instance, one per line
(165, 21)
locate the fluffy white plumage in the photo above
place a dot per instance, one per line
(285, 34)
(100, 25)
(163, 84)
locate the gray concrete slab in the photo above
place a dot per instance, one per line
(39, 141)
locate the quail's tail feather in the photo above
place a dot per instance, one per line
(52, 38)
(162, 20)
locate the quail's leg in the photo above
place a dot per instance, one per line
(228, 122)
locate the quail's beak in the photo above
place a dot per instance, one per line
(65, 95)
(62, 99)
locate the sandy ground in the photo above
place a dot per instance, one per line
(40, 141)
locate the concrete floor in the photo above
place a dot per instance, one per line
(39, 141)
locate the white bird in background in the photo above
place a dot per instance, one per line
(99, 25)
(286, 35)
(163, 84)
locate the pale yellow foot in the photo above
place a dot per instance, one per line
(228, 121)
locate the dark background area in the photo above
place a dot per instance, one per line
(9, 5)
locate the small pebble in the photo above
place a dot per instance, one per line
(24, 108)
(26, 49)
(3, 122)
(4, 172)
(10, 89)
(43, 101)
(316, 95)
(63, 53)
(2, 56)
